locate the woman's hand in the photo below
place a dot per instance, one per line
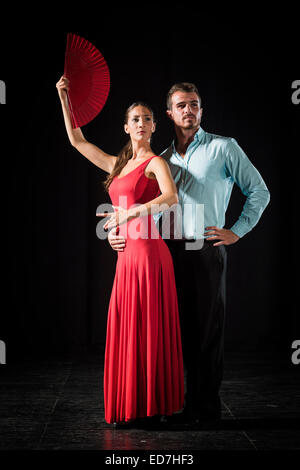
(117, 242)
(121, 216)
(62, 87)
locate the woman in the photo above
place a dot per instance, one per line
(143, 371)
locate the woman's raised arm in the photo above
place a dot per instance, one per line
(93, 153)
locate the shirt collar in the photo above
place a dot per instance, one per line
(199, 136)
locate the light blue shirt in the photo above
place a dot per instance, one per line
(206, 175)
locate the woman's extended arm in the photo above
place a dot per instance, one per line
(101, 159)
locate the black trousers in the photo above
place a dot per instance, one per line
(201, 280)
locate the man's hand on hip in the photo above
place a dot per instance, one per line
(226, 237)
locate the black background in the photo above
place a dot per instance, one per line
(57, 274)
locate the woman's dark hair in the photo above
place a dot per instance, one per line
(126, 153)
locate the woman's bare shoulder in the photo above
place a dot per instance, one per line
(157, 162)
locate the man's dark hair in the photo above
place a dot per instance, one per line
(183, 86)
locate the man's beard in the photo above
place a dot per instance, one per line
(191, 125)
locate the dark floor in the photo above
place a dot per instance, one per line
(58, 404)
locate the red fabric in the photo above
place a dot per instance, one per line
(89, 77)
(143, 373)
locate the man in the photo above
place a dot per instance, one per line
(204, 167)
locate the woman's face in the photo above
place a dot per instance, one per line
(140, 125)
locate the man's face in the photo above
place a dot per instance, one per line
(185, 111)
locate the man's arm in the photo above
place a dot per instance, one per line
(252, 185)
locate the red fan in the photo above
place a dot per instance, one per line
(89, 77)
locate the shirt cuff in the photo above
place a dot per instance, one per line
(240, 229)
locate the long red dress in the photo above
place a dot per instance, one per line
(143, 369)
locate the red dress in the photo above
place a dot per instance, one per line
(143, 369)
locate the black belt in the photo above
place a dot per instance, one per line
(190, 240)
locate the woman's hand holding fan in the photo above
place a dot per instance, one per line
(63, 86)
(83, 90)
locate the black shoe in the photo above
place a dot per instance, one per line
(208, 410)
(207, 418)
(188, 420)
(124, 424)
(191, 419)
(175, 419)
(169, 419)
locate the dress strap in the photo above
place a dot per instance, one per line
(148, 160)
(145, 164)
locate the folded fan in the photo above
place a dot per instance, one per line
(89, 77)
